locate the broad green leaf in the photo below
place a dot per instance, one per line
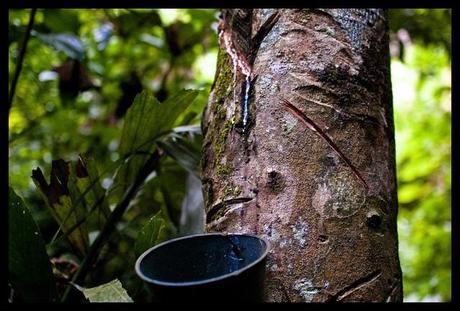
(29, 267)
(90, 191)
(109, 292)
(65, 202)
(145, 121)
(154, 232)
(76, 198)
(64, 42)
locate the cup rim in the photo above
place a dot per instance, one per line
(205, 281)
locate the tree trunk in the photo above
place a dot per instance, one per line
(299, 149)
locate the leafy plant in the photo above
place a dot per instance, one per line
(107, 185)
(75, 195)
(422, 104)
(30, 275)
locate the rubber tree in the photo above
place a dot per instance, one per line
(299, 148)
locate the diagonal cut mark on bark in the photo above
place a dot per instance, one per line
(348, 290)
(304, 78)
(392, 291)
(314, 127)
(221, 205)
(339, 111)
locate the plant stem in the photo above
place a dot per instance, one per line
(21, 58)
(116, 215)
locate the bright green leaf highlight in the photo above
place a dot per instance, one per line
(109, 292)
(154, 232)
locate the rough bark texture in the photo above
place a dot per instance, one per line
(333, 235)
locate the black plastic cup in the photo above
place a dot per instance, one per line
(206, 267)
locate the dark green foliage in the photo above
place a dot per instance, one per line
(29, 268)
(422, 105)
(65, 21)
(75, 112)
(425, 26)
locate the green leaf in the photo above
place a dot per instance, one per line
(145, 121)
(154, 232)
(109, 292)
(29, 267)
(65, 202)
(64, 42)
(89, 190)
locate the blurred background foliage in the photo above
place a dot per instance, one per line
(81, 73)
(421, 81)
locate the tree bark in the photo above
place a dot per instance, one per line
(299, 148)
